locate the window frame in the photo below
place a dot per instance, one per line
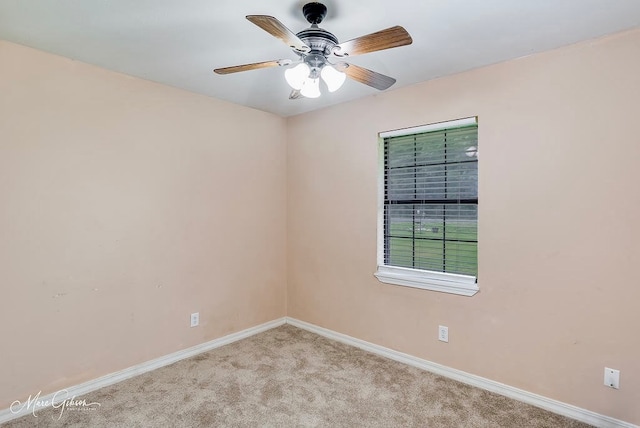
(465, 285)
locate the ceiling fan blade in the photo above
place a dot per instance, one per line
(277, 29)
(392, 37)
(253, 66)
(366, 76)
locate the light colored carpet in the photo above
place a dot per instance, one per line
(288, 377)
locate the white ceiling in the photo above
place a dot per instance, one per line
(179, 43)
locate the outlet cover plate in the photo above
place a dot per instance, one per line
(195, 319)
(443, 333)
(612, 378)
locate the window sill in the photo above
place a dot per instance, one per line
(435, 281)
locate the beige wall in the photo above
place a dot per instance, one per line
(124, 206)
(558, 224)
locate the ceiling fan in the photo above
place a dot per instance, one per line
(314, 46)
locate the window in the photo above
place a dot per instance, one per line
(428, 207)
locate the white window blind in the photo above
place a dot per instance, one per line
(430, 201)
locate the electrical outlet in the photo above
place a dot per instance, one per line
(443, 333)
(195, 319)
(612, 378)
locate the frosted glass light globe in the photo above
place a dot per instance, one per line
(297, 75)
(311, 88)
(332, 77)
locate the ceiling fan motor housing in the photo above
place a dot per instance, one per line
(318, 39)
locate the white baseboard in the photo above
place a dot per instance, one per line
(84, 388)
(554, 406)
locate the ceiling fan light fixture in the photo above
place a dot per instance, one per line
(311, 88)
(315, 45)
(296, 76)
(332, 77)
